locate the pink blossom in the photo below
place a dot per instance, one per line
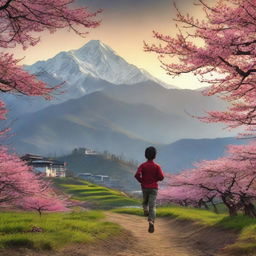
(222, 43)
(21, 23)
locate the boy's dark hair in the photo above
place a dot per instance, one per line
(150, 153)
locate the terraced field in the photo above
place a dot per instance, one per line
(93, 195)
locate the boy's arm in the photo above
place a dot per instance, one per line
(160, 174)
(138, 174)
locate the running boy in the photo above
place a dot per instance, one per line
(148, 174)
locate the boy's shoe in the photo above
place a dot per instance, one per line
(151, 227)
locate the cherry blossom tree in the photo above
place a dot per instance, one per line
(16, 179)
(219, 176)
(231, 179)
(219, 50)
(44, 202)
(21, 21)
(187, 195)
(45, 198)
(178, 189)
(21, 187)
(246, 155)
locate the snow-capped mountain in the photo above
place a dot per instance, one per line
(94, 60)
(93, 67)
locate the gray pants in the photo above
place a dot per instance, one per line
(149, 202)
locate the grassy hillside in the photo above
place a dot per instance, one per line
(17, 229)
(58, 230)
(246, 243)
(121, 171)
(93, 195)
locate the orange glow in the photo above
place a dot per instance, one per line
(124, 35)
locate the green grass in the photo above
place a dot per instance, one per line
(203, 217)
(245, 226)
(97, 196)
(62, 229)
(58, 229)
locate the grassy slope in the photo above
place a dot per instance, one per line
(58, 229)
(97, 196)
(62, 229)
(99, 164)
(246, 243)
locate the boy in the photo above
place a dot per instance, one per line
(148, 174)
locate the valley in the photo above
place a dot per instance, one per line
(106, 104)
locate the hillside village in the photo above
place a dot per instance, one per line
(95, 169)
(102, 168)
(46, 166)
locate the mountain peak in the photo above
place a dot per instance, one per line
(94, 43)
(95, 46)
(93, 60)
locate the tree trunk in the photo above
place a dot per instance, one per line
(215, 207)
(199, 204)
(39, 211)
(232, 209)
(205, 205)
(185, 203)
(249, 210)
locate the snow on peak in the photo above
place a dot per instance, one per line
(94, 45)
(93, 60)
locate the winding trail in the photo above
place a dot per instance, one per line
(171, 237)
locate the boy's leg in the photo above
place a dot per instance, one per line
(145, 194)
(152, 205)
(152, 209)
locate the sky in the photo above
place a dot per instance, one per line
(125, 25)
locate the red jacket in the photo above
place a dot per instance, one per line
(148, 174)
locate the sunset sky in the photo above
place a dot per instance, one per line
(125, 25)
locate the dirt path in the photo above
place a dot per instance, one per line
(171, 237)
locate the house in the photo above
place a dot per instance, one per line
(47, 166)
(85, 151)
(90, 152)
(99, 179)
(85, 175)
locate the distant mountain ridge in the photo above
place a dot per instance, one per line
(93, 67)
(102, 122)
(182, 154)
(111, 105)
